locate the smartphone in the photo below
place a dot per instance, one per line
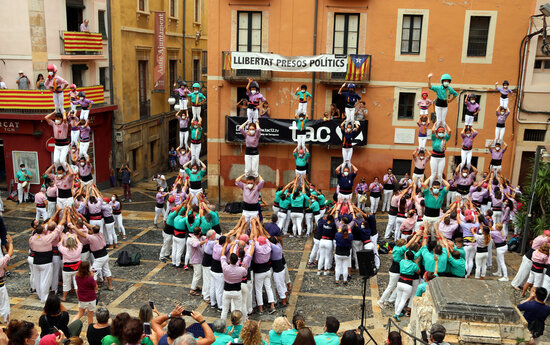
(186, 312)
(147, 328)
(152, 304)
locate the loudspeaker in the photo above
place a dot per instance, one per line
(367, 268)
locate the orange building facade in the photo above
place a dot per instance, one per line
(476, 42)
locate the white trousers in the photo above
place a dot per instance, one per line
(248, 215)
(75, 137)
(342, 265)
(546, 284)
(30, 261)
(195, 151)
(419, 178)
(373, 246)
(110, 235)
(262, 280)
(356, 245)
(281, 221)
(523, 272)
(441, 115)
(504, 102)
(196, 113)
(325, 254)
(497, 216)
(437, 165)
(4, 304)
(56, 271)
(398, 222)
(69, 281)
(184, 138)
(374, 204)
(197, 276)
(84, 113)
(403, 293)
(252, 115)
(58, 102)
(470, 252)
(481, 264)
(251, 163)
(350, 114)
(499, 134)
(535, 278)
(466, 157)
(216, 289)
(206, 275)
(83, 151)
(166, 245)
(43, 280)
(301, 138)
(309, 223)
(469, 120)
(386, 200)
(41, 212)
(500, 261)
(314, 251)
(119, 225)
(302, 108)
(178, 245)
(60, 155)
(297, 219)
(159, 211)
(346, 155)
(279, 279)
(231, 299)
(392, 284)
(101, 267)
(391, 226)
(51, 208)
(187, 253)
(183, 103)
(422, 142)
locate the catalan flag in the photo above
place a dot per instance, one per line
(226, 61)
(82, 41)
(42, 100)
(358, 67)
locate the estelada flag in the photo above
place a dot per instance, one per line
(358, 67)
(227, 61)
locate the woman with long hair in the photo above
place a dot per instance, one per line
(21, 333)
(251, 334)
(394, 338)
(288, 336)
(482, 237)
(117, 328)
(40, 82)
(304, 337)
(70, 248)
(86, 291)
(53, 315)
(499, 239)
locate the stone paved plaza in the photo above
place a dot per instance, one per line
(314, 296)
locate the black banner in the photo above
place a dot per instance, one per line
(284, 131)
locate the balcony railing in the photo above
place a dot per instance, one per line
(358, 72)
(31, 100)
(82, 43)
(241, 75)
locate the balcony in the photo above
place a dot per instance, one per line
(81, 46)
(242, 75)
(41, 100)
(358, 72)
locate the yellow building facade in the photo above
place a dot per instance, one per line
(144, 125)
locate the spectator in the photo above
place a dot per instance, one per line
(334, 112)
(100, 329)
(394, 338)
(84, 26)
(288, 336)
(132, 332)
(360, 111)
(126, 176)
(280, 325)
(219, 332)
(352, 337)
(265, 111)
(53, 315)
(535, 312)
(305, 337)
(176, 327)
(21, 332)
(326, 116)
(117, 328)
(251, 334)
(22, 81)
(86, 291)
(329, 337)
(40, 82)
(437, 334)
(172, 159)
(2, 84)
(236, 319)
(186, 339)
(241, 107)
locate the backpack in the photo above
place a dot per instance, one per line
(234, 207)
(136, 259)
(124, 259)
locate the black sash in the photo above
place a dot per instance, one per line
(418, 171)
(195, 184)
(207, 260)
(441, 103)
(99, 253)
(250, 207)
(375, 194)
(109, 219)
(394, 268)
(406, 278)
(261, 268)
(231, 286)
(52, 198)
(388, 186)
(431, 212)
(277, 265)
(496, 162)
(41, 258)
(168, 229)
(216, 266)
(251, 151)
(64, 193)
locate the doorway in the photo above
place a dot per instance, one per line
(74, 14)
(340, 102)
(527, 159)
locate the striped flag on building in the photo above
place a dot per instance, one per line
(358, 67)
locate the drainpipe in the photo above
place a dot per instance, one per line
(111, 89)
(183, 31)
(314, 53)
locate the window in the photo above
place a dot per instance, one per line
(534, 135)
(74, 14)
(172, 8)
(142, 6)
(405, 109)
(204, 62)
(78, 74)
(197, 15)
(346, 32)
(152, 145)
(249, 31)
(541, 65)
(196, 69)
(134, 159)
(478, 36)
(173, 70)
(101, 28)
(411, 33)
(104, 77)
(334, 163)
(142, 85)
(478, 101)
(400, 167)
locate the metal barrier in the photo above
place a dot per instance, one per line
(414, 339)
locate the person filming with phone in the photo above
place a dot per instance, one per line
(176, 326)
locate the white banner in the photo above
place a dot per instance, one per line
(274, 62)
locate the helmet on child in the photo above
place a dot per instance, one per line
(424, 93)
(446, 76)
(301, 151)
(82, 94)
(106, 199)
(505, 82)
(351, 86)
(196, 85)
(182, 83)
(254, 85)
(72, 86)
(52, 67)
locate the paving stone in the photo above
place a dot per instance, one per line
(315, 309)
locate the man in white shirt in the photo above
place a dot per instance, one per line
(84, 26)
